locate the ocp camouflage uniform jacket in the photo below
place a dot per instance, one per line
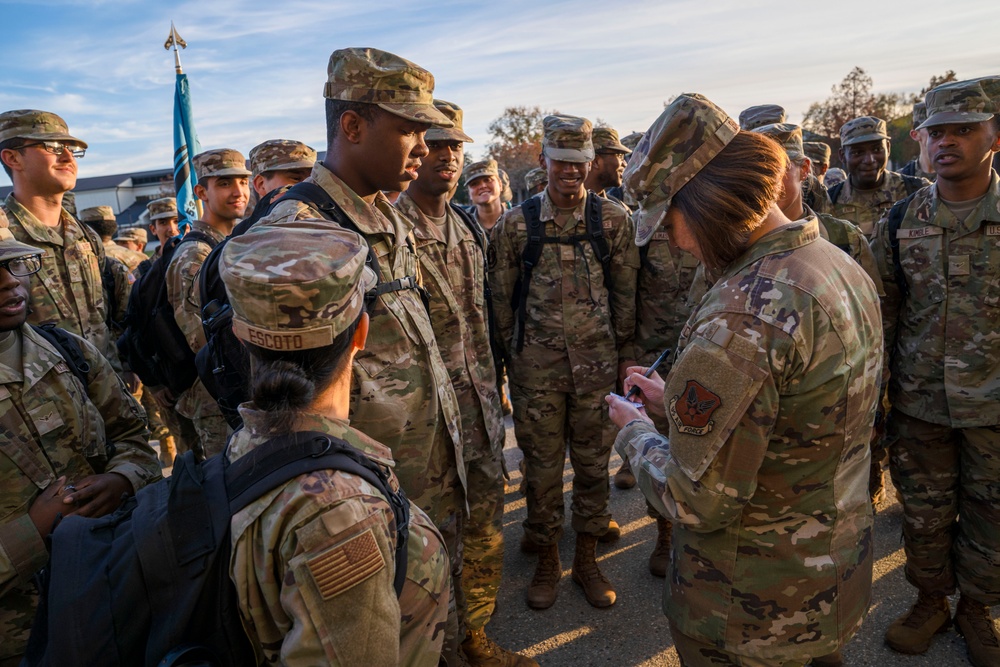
(67, 291)
(575, 332)
(130, 258)
(183, 292)
(848, 237)
(765, 470)
(314, 563)
(401, 393)
(50, 426)
(815, 194)
(661, 298)
(865, 207)
(452, 265)
(943, 338)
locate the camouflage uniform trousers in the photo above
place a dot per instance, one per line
(694, 653)
(545, 422)
(482, 539)
(198, 405)
(949, 480)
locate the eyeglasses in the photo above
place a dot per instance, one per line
(58, 148)
(22, 266)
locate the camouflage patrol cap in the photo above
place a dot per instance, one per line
(480, 169)
(972, 101)
(817, 151)
(136, 234)
(919, 114)
(162, 208)
(505, 194)
(97, 213)
(33, 124)
(535, 177)
(220, 162)
(567, 138)
(606, 141)
(864, 128)
(834, 176)
(786, 134)
(382, 78)
(765, 114)
(10, 247)
(453, 133)
(687, 135)
(295, 285)
(277, 154)
(630, 141)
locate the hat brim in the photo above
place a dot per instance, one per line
(227, 172)
(479, 174)
(648, 220)
(447, 134)
(419, 113)
(946, 117)
(613, 148)
(52, 136)
(10, 249)
(164, 216)
(568, 154)
(863, 138)
(301, 164)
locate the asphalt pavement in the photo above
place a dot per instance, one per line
(635, 631)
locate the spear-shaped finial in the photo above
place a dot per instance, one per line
(174, 40)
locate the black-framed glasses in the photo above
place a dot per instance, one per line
(22, 266)
(58, 148)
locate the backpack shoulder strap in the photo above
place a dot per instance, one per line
(69, 349)
(595, 229)
(896, 215)
(835, 192)
(474, 227)
(285, 457)
(532, 211)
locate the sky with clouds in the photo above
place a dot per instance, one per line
(257, 69)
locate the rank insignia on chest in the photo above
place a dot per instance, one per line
(692, 412)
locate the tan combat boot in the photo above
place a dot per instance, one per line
(598, 590)
(168, 451)
(542, 590)
(912, 632)
(625, 478)
(660, 558)
(972, 620)
(613, 533)
(481, 651)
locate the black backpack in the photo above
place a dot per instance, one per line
(153, 345)
(149, 584)
(532, 210)
(223, 363)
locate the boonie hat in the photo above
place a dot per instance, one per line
(687, 135)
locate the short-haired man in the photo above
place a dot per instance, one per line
(919, 166)
(102, 220)
(482, 179)
(39, 155)
(278, 164)
(938, 252)
(452, 254)
(818, 153)
(378, 107)
(568, 339)
(870, 189)
(163, 220)
(815, 194)
(134, 239)
(535, 181)
(609, 162)
(223, 187)
(69, 446)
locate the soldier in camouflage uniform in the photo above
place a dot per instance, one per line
(162, 220)
(870, 190)
(39, 155)
(102, 220)
(134, 239)
(814, 191)
(566, 345)
(68, 447)
(610, 157)
(314, 560)
(482, 179)
(453, 266)
(378, 107)
(919, 166)
(942, 332)
(277, 164)
(818, 153)
(535, 181)
(776, 381)
(223, 187)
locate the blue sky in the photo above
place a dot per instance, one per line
(257, 69)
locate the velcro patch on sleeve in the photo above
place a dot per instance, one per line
(346, 565)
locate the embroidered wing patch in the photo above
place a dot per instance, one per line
(692, 411)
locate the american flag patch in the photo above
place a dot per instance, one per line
(346, 565)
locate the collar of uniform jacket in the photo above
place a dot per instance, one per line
(785, 238)
(32, 225)
(368, 217)
(928, 207)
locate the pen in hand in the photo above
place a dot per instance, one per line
(649, 371)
